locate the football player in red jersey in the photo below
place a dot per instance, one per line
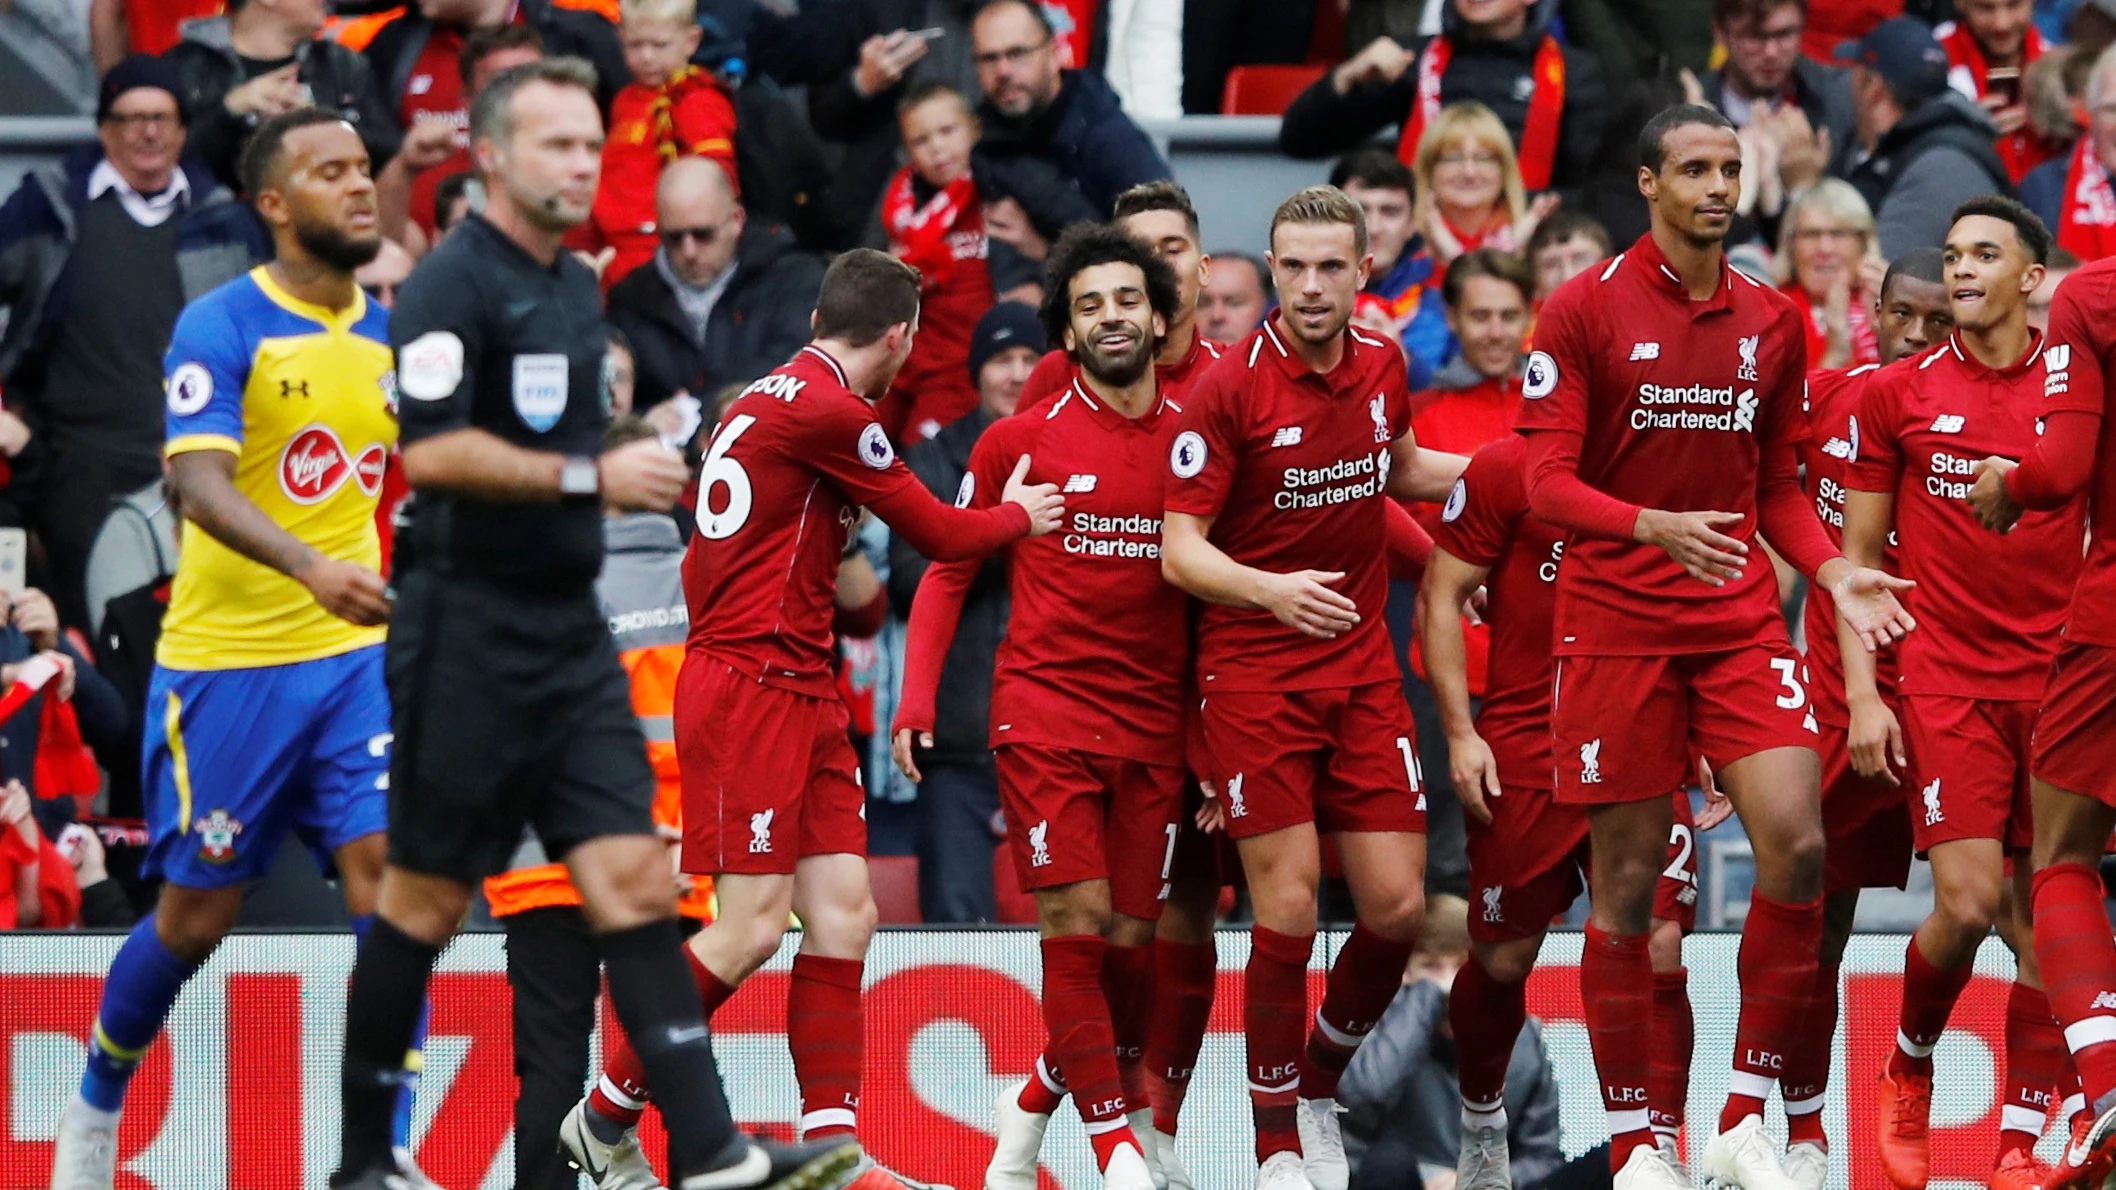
(1160, 215)
(1865, 822)
(1087, 694)
(773, 807)
(2074, 790)
(1526, 851)
(1662, 405)
(1969, 682)
(1276, 517)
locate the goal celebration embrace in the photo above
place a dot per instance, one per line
(1412, 700)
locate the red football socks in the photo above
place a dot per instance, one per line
(1183, 982)
(2035, 1062)
(1616, 996)
(1127, 986)
(1364, 979)
(1776, 966)
(1077, 1014)
(1805, 1081)
(1276, 1021)
(1674, 1039)
(2078, 960)
(1046, 1088)
(825, 1031)
(620, 1095)
(1487, 1016)
(1928, 1000)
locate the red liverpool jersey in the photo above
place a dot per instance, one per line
(1056, 372)
(2082, 354)
(1990, 608)
(1097, 642)
(1676, 401)
(778, 495)
(1294, 466)
(1832, 405)
(1486, 522)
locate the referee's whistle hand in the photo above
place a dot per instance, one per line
(643, 475)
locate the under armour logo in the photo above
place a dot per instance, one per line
(288, 388)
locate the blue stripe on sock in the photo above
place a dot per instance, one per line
(143, 983)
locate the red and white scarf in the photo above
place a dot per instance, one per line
(1538, 153)
(918, 233)
(2024, 149)
(2086, 224)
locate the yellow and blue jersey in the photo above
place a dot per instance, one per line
(305, 399)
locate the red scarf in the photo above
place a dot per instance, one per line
(2023, 150)
(2086, 225)
(1865, 346)
(919, 234)
(1546, 106)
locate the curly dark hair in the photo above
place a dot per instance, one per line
(1082, 247)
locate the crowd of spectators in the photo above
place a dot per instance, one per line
(1487, 141)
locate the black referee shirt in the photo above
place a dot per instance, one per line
(488, 337)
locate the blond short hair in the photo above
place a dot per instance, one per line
(1324, 204)
(671, 12)
(1471, 124)
(1834, 199)
(1446, 930)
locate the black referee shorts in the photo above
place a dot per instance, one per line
(510, 708)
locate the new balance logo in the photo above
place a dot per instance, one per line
(760, 832)
(1591, 762)
(1837, 448)
(1931, 793)
(1948, 423)
(1080, 483)
(1039, 849)
(1235, 808)
(2103, 1000)
(1286, 436)
(1641, 351)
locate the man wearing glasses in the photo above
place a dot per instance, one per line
(1774, 92)
(1034, 106)
(97, 256)
(723, 301)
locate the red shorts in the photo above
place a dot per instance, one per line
(769, 776)
(2075, 736)
(1343, 759)
(1201, 856)
(1865, 821)
(1529, 866)
(1074, 816)
(1625, 728)
(1973, 768)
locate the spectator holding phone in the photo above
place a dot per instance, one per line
(1990, 45)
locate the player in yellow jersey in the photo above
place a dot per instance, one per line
(267, 711)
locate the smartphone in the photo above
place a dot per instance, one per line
(931, 33)
(14, 561)
(2004, 82)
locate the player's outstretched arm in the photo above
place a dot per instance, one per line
(1866, 596)
(1301, 600)
(1419, 474)
(1410, 547)
(205, 486)
(1449, 582)
(2054, 473)
(936, 612)
(945, 533)
(473, 462)
(1876, 737)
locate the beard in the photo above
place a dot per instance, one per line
(337, 249)
(1120, 370)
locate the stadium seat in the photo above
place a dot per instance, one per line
(1265, 90)
(895, 881)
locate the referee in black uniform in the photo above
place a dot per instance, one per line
(510, 707)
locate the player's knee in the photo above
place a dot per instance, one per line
(845, 929)
(1970, 908)
(1399, 915)
(1507, 962)
(191, 922)
(1287, 908)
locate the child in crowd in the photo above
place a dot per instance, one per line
(933, 215)
(671, 109)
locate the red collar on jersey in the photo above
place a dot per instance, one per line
(1656, 268)
(1099, 409)
(1978, 369)
(829, 361)
(1351, 366)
